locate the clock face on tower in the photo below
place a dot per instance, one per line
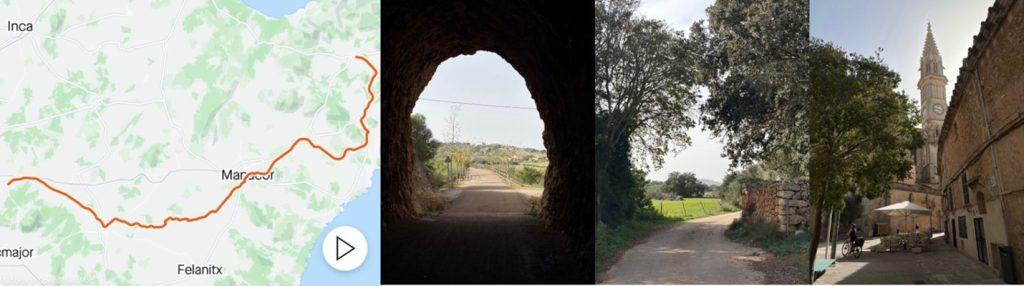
(937, 109)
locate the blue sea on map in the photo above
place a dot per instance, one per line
(364, 214)
(276, 8)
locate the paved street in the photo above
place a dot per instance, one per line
(939, 265)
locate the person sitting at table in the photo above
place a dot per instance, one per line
(917, 230)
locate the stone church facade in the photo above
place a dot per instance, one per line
(921, 185)
(981, 147)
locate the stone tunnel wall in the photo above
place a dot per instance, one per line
(548, 42)
(782, 204)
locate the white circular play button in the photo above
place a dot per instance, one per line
(345, 248)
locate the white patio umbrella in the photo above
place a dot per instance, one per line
(905, 209)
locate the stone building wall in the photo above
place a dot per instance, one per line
(879, 224)
(782, 204)
(981, 146)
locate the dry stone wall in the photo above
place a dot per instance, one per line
(782, 204)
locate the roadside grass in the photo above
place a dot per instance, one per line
(611, 242)
(534, 205)
(769, 237)
(430, 203)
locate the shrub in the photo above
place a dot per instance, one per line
(749, 210)
(534, 205)
(768, 237)
(430, 203)
(529, 176)
(727, 207)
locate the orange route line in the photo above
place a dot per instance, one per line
(366, 139)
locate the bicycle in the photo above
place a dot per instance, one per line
(856, 248)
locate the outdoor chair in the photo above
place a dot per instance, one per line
(919, 240)
(889, 243)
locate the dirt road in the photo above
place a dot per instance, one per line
(485, 236)
(690, 252)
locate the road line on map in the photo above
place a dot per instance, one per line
(245, 179)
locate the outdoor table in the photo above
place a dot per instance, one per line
(890, 243)
(919, 240)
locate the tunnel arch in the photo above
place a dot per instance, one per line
(550, 46)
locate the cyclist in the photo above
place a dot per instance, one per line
(853, 234)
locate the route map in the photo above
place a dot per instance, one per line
(190, 142)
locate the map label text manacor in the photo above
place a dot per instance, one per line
(193, 269)
(236, 175)
(17, 253)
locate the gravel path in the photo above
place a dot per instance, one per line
(484, 237)
(690, 252)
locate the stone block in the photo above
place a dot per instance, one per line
(786, 194)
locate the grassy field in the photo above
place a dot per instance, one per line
(691, 208)
(612, 241)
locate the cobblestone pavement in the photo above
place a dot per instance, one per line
(941, 264)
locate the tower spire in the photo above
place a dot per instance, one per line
(929, 43)
(931, 61)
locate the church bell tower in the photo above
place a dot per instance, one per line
(933, 108)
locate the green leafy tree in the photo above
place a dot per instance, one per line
(852, 210)
(685, 185)
(644, 88)
(862, 130)
(753, 63)
(423, 142)
(731, 190)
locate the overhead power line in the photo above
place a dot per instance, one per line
(477, 104)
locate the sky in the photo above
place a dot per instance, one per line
(704, 156)
(482, 78)
(899, 28)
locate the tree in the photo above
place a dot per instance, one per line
(862, 130)
(423, 142)
(754, 66)
(657, 190)
(644, 88)
(852, 210)
(453, 125)
(685, 185)
(732, 184)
